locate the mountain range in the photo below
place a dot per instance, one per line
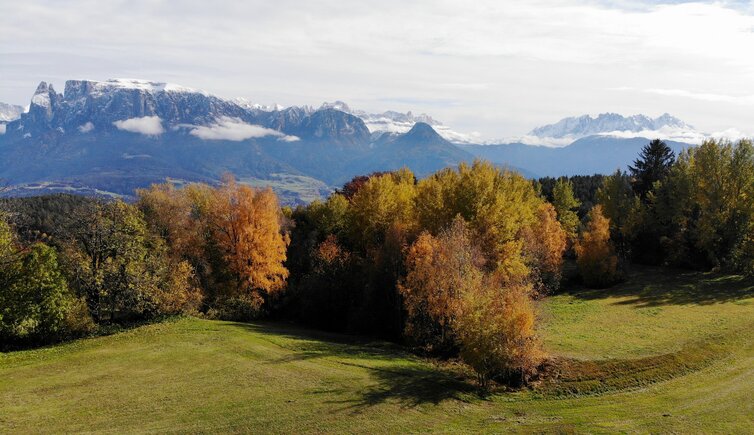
(111, 137)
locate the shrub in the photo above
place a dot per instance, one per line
(242, 308)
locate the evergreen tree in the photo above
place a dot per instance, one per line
(653, 165)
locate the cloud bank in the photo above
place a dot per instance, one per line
(233, 129)
(147, 125)
(499, 67)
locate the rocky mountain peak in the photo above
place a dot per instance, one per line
(586, 125)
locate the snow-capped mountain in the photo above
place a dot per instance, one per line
(248, 104)
(587, 125)
(117, 135)
(568, 130)
(154, 108)
(10, 112)
(392, 122)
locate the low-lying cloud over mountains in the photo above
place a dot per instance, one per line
(86, 138)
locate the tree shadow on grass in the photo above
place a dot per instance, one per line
(310, 344)
(410, 387)
(657, 286)
(411, 383)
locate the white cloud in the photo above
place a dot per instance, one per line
(147, 125)
(508, 65)
(288, 138)
(732, 134)
(553, 142)
(2, 128)
(86, 128)
(685, 135)
(233, 129)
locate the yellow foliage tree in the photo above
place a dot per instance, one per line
(439, 270)
(544, 245)
(595, 255)
(497, 205)
(496, 329)
(246, 225)
(383, 201)
(448, 296)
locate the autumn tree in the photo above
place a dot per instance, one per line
(382, 201)
(595, 255)
(722, 178)
(453, 303)
(496, 330)
(497, 205)
(246, 225)
(439, 270)
(173, 215)
(544, 245)
(350, 188)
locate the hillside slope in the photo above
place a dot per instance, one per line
(195, 375)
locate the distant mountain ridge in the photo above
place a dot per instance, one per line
(110, 137)
(10, 112)
(118, 135)
(587, 125)
(392, 122)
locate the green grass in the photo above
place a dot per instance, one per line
(292, 188)
(656, 311)
(193, 375)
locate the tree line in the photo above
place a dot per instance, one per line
(694, 210)
(214, 251)
(452, 264)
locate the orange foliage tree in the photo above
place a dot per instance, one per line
(169, 212)
(595, 255)
(544, 245)
(439, 270)
(496, 328)
(449, 296)
(246, 226)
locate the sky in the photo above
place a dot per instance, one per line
(496, 68)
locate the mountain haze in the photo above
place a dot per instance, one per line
(110, 137)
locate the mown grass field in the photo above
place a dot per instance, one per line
(663, 352)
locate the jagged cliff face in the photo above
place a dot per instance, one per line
(88, 106)
(329, 123)
(118, 135)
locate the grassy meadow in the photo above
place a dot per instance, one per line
(662, 352)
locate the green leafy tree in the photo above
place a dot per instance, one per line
(35, 303)
(565, 203)
(122, 269)
(622, 208)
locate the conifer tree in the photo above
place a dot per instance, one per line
(653, 165)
